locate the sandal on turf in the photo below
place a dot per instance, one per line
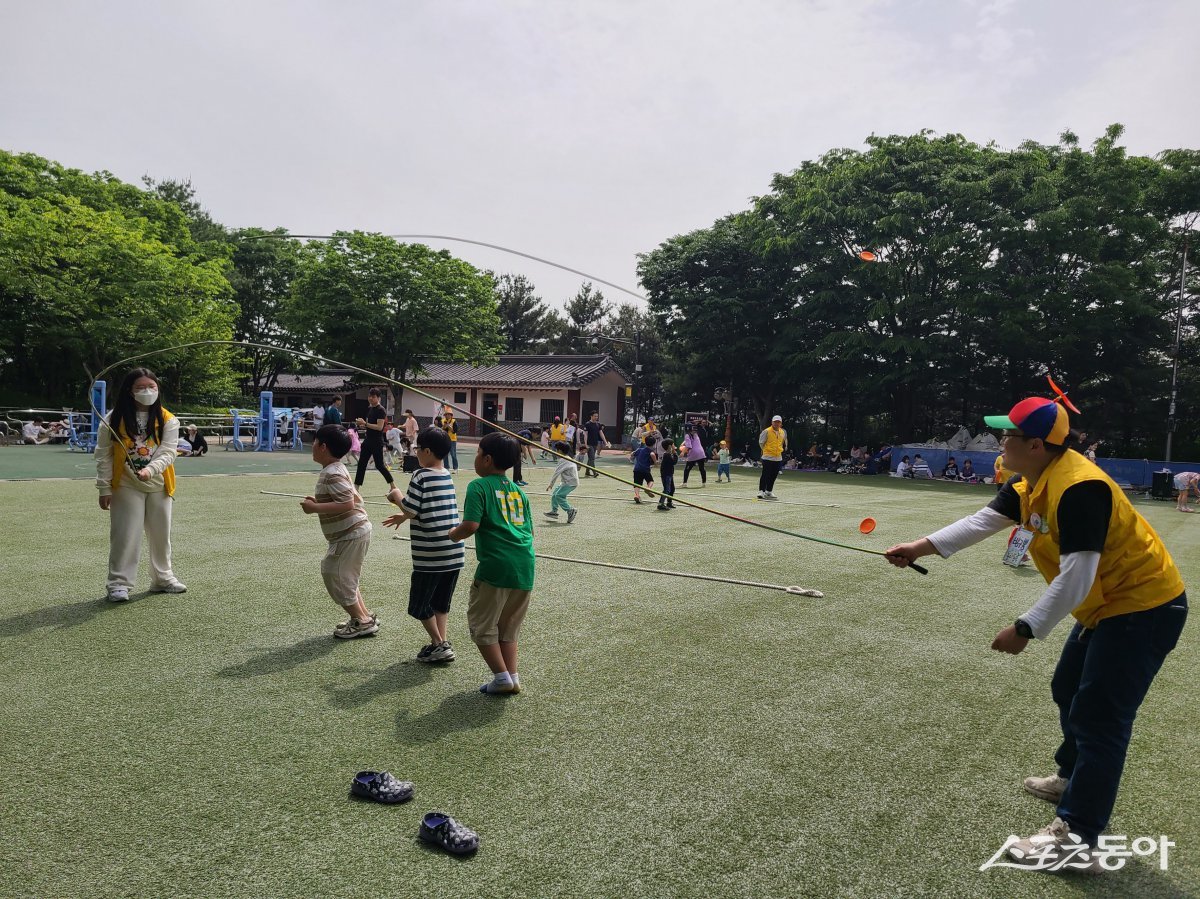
(439, 829)
(381, 786)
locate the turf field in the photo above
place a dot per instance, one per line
(674, 738)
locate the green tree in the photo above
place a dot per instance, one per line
(93, 270)
(264, 265)
(523, 316)
(583, 315)
(391, 307)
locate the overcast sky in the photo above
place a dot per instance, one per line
(583, 132)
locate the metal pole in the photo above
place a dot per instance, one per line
(1175, 354)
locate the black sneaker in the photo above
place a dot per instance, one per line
(660, 508)
(550, 514)
(571, 515)
(423, 655)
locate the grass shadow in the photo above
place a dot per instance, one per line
(274, 661)
(458, 712)
(1140, 880)
(69, 614)
(400, 676)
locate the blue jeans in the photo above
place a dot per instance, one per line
(558, 499)
(723, 469)
(1101, 679)
(453, 457)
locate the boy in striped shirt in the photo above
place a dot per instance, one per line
(431, 506)
(346, 527)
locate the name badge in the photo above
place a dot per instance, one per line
(1018, 545)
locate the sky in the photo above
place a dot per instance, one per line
(580, 132)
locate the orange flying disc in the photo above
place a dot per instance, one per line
(866, 525)
(867, 256)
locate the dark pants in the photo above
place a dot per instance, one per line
(668, 490)
(592, 460)
(369, 452)
(699, 463)
(770, 471)
(453, 457)
(1101, 679)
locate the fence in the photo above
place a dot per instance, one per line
(1131, 472)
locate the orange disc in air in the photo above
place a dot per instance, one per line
(866, 525)
(867, 256)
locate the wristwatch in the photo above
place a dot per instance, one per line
(1023, 629)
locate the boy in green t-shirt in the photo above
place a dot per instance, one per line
(496, 511)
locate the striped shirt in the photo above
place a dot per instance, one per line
(431, 499)
(334, 486)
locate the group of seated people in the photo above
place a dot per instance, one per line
(35, 433)
(192, 442)
(919, 469)
(860, 460)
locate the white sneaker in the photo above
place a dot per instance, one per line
(443, 652)
(762, 494)
(118, 594)
(173, 587)
(1049, 788)
(1055, 843)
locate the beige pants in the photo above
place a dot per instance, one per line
(341, 569)
(133, 513)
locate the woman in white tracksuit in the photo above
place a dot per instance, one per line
(135, 473)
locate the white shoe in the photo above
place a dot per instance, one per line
(762, 494)
(1049, 788)
(173, 587)
(118, 594)
(1055, 843)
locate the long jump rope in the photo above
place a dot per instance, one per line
(470, 415)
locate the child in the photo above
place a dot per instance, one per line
(431, 506)
(411, 463)
(643, 459)
(135, 474)
(545, 441)
(346, 527)
(723, 463)
(666, 470)
(569, 472)
(395, 444)
(355, 443)
(496, 511)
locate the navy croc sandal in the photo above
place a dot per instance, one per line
(441, 830)
(381, 786)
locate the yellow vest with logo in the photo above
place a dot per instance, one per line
(1136, 571)
(774, 442)
(151, 445)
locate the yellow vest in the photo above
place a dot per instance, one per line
(558, 432)
(1002, 473)
(774, 443)
(1136, 571)
(128, 449)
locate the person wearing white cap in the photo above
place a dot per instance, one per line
(772, 441)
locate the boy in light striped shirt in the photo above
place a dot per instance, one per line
(431, 506)
(346, 527)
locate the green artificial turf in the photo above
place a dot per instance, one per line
(675, 738)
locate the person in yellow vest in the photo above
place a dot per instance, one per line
(1003, 475)
(558, 431)
(772, 442)
(135, 474)
(1105, 566)
(450, 426)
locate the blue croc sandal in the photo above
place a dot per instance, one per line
(381, 786)
(439, 829)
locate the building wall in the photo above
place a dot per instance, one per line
(604, 391)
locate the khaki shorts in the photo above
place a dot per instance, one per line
(342, 567)
(494, 614)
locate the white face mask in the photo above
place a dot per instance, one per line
(147, 396)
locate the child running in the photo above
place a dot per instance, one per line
(666, 471)
(496, 511)
(432, 508)
(568, 472)
(346, 526)
(643, 461)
